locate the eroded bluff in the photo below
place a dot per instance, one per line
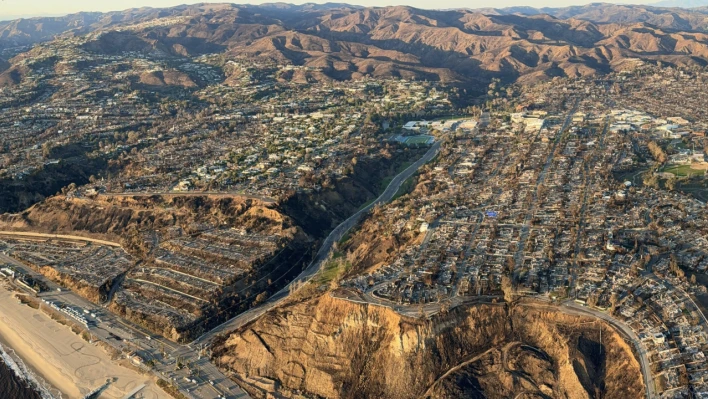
(331, 348)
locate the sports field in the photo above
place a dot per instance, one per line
(683, 170)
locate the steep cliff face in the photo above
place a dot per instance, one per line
(93, 294)
(337, 349)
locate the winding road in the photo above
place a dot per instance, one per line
(474, 358)
(208, 372)
(323, 254)
(573, 308)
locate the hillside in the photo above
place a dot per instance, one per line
(345, 42)
(163, 235)
(681, 3)
(336, 349)
(243, 249)
(660, 15)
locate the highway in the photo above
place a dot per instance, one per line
(323, 254)
(202, 380)
(124, 335)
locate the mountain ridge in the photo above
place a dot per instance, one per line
(339, 41)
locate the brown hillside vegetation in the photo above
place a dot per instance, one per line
(348, 42)
(199, 259)
(111, 217)
(336, 349)
(167, 78)
(11, 76)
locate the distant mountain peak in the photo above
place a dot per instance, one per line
(681, 3)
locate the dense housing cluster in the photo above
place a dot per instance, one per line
(158, 123)
(88, 266)
(575, 194)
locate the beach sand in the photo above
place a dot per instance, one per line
(64, 360)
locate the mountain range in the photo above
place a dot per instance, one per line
(681, 3)
(341, 41)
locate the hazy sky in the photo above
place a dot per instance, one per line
(20, 8)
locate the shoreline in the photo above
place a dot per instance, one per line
(34, 357)
(65, 362)
(17, 367)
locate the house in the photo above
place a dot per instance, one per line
(658, 338)
(579, 117)
(8, 272)
(518, 117)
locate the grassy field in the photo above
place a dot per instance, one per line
(333, 269)
(683, 170)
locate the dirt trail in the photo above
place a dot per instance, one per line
(467, 362)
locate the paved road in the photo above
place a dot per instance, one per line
(573, 308)
(671, 286)
(526, 228)
(323, 254)
(583, 208)
(418, 310)
(122, 334)
(210, 382)
(569, 307)
(20, 234)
